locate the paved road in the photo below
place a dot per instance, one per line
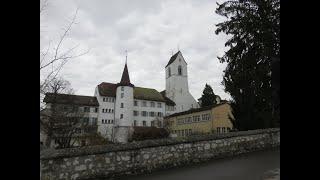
(244, 167)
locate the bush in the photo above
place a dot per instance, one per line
(96, 139)
(143, 133)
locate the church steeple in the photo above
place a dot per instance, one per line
(125, 79)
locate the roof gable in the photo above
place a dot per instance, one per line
(174, 57)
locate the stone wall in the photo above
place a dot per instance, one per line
(146, 156)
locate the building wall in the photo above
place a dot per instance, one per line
(127, 110)
(203, 126)
(101, 162)
(170, 110)
(221, 117)
(148, 118)
(91, 114)
(105, 129)
(177, 88)
(122, 124)
(218, 118)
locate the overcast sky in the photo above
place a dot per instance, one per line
(149, 29)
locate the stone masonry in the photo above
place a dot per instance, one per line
(146, 156)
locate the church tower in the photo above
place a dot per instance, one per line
(177, 88)
(123, 107)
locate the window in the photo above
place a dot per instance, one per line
(144, 113)
(152, 123)
(85, 120)
(108, 121)
(109, 110)
(86, 109)
(144, 123)
(107, 99)
(190, 131)
(169, 71)
(122, 94)
(144, 104)
(96, 109)
(182, 132)
(159, 105)
(159, 114)
(218, 129)
(135, 103)
(103, 110)
(135, 113)
(179, 70)
(104, 99)
(75, 109)
(93, 121)
(112, 110)
(121, 105)
(121, 116)
(152, 104)
(112, 99)
(135, 123)
(122, 88)
(196, 118)
(223, 130)
(152, 114)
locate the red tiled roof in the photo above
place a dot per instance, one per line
(110, 89)
(107, 89)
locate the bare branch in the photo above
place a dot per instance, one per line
(57, 56)
(43, 5)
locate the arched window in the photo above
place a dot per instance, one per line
(169, 71)
(180, 70)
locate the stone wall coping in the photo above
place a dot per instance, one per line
(101, 149)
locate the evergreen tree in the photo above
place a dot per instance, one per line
(208, 97)
(254, 28)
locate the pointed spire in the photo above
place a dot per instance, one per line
(125, 79)
(125, 75)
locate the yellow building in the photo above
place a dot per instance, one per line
(211, 119)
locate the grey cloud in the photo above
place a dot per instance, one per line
(149, 30)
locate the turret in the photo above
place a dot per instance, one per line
(123, 107)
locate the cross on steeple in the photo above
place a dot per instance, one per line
(126, 56)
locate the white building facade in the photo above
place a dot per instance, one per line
(123, 106)
(177, 88)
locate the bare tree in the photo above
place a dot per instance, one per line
(61, 122)
(53, 58)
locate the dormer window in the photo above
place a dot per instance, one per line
(122, 88)
(180, 70)
(169, 71)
